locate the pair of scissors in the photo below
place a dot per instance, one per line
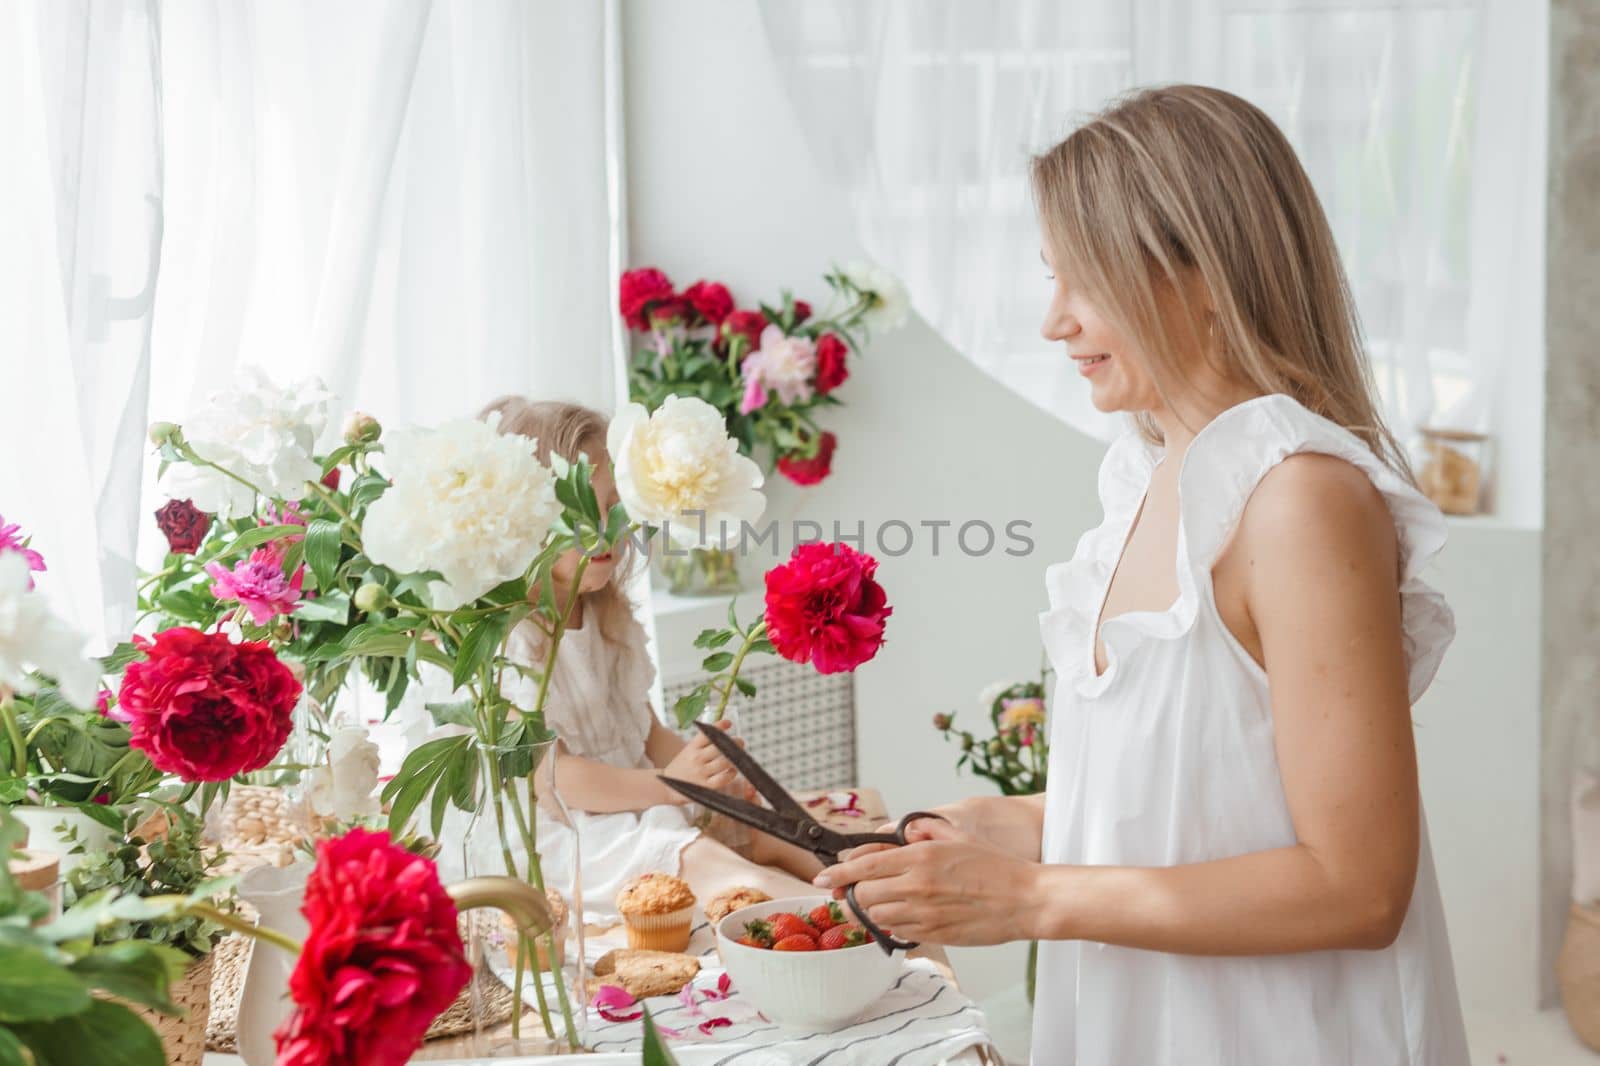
(787, 820)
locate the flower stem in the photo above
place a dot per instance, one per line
(19, 749)
(757, 631)
(231, 922)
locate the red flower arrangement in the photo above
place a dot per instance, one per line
(768, 369)
(383, 957)
(205, 708)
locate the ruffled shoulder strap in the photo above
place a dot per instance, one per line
(1230, 456)
(1124, 477)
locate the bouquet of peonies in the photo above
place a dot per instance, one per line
(393, 550)
(1017, 756)
(767, 371)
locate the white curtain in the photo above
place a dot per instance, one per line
(1420, 122)
(80, 237)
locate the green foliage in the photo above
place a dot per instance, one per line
(1015, 759)
(174, 862)
(49, 1015)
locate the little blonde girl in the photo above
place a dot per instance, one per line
(611, 745)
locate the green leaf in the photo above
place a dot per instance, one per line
(715, 664)
(10, 1050)
(761, 645)
(331, 606)
(713, 638)
(34, 989)
(748, 688)
(688, 708)
(136, 971)
(120, 657)
(367, 488)
(463, 712)
(478, 647)
(322, 550)
(107, 1034)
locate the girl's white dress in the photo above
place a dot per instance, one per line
(1167, 758)
(598, 705)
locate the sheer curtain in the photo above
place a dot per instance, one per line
(1420, 122)
(80, 238)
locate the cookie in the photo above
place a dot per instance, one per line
(643, 973)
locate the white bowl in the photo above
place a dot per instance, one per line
(817, 991)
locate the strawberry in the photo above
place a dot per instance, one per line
(845, 935)
(758, 931)
(787, 925)
(825, 916)
(797, 942)
(752, 942)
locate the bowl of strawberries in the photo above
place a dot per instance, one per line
(805, 962)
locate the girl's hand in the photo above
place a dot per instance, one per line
(945, 887)
(700, 764)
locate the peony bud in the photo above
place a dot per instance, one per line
(966, 742)
(371, 598)
(997, 747)
(942, 722)
(163, 432)
(361, 428)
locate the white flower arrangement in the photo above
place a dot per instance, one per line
(32, 638)
(891, 303)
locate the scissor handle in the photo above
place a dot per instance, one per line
(889, 944)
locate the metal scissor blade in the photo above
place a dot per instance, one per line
(757, 817)
(745, 763)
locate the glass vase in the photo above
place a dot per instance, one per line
(524, 831)
(699, 571)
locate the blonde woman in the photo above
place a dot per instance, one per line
(1231, 866)
(612, 746)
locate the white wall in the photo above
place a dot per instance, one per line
(721, 186)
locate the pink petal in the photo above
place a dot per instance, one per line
(610, 1000)
(723, 990)
(714, 1023)
(686, 997)
(668, 1032)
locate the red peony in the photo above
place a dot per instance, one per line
(823, 607)
(831, 371)
(710, 300)
(746, 324)
(205, 708)
(802, 311)
(804, 471)
(668, 311)
(184, 525)
(638, 290)
(383, 957)
(331, 480)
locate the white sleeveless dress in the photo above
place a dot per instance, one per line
(598, 705)
(1167, 758)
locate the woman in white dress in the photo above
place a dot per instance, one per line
(1230, 867)
(611, 745)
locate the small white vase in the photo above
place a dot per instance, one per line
(276, 893)
(45, 828)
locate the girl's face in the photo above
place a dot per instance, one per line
(1117, 371)
(600, 567)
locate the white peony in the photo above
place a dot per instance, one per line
(345, 787)
(465, 500)
(261, 432)
(891, 304)
(990, 693)
(681, 460)
(33, 638)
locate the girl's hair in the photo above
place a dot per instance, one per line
(1180, 184)
(567, 429)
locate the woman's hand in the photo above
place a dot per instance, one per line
(700, 764)
(946, 886)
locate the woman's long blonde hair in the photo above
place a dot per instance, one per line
(567, 429)
(1183, 183)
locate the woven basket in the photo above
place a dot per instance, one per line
(1578, 970)
(183, 1037)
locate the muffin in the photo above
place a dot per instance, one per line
(729, 900)
(558, 912)
(658, 911)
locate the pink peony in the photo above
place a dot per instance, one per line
(782, 364)
(11, 541)
(259, 583)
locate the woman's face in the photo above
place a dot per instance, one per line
(600, 567)
(1115, 367)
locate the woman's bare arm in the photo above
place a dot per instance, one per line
(1322, 562)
